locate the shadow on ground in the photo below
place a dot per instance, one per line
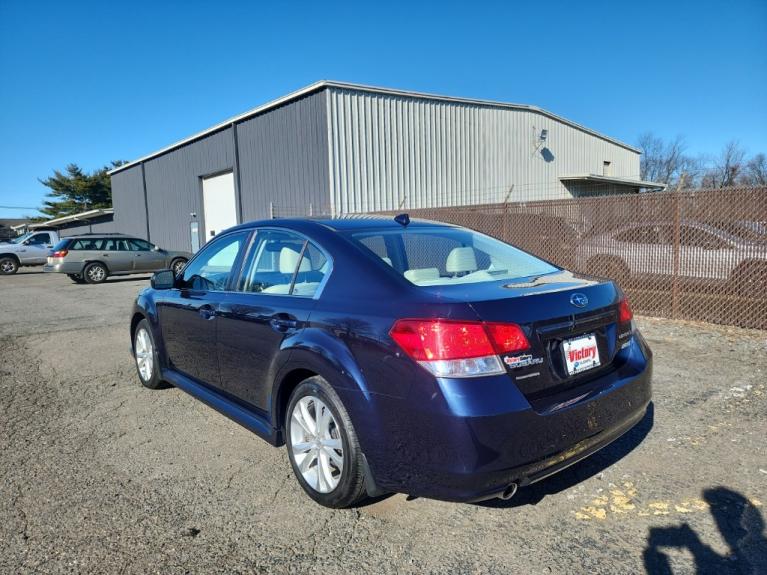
(581, 471)
(740, 525)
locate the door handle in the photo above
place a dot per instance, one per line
(283, 324)
(207, 312)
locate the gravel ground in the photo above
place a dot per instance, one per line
(99, 475)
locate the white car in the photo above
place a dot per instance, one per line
(706, 252)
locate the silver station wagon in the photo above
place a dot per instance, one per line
(92, 258)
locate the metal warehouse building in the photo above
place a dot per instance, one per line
(335, 148)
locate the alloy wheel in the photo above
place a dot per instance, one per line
(96, 273)
(144, 351)
(315, 441)
(7, 266)
(178, 266)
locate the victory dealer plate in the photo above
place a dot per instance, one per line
(581, 353)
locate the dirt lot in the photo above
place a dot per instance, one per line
(98, 475)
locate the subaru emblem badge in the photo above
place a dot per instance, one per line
(579, 300)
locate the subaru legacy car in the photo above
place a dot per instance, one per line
(391, 355)
(92, 258)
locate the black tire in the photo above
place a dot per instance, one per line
(95, 273)
(154, 381)
(350, 489)
(78, 279)
(8, 265)
(178, 263)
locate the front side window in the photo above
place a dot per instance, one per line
(448, 256)
(283, 263)
(40, 240)
(139, 245)
(211, 269)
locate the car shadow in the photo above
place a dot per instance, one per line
(127, 279)
(593, 465)
(741, 526)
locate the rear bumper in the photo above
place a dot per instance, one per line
(63, 268)
(464, 456)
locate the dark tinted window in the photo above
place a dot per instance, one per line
(62, 245)
(39, 239)
(140, 245)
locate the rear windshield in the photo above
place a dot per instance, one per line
(447, 256)
(62, 245)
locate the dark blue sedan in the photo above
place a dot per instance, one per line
(397, 356)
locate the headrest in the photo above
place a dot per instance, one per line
(421, 275)
(289, 259)
(461, 260)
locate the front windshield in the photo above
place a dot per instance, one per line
(447, 256)
(21, 238)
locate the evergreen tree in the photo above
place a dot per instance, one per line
(75, 190)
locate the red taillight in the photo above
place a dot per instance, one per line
(60, 253)
(625, 314)
(450, 348)
(507, 337)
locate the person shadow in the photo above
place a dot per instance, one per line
(741, 526)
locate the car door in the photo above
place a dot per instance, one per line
(120, 256)
(189, 314)
(145, 257)
(282, 277)
(36, 248)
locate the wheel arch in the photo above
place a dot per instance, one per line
(12, 256)
(86, 263)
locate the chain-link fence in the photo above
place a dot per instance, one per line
(692, 254)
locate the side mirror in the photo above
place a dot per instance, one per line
(164, 279)
(156, 249)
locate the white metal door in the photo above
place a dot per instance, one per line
(219, 204)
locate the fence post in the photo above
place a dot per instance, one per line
(271, 210)
(506, 221)
(677, 241)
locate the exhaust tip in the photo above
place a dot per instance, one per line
(509, 492)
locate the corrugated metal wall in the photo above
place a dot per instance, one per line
(174, 189)
(128, 202)
(284, 159)
(389, 151)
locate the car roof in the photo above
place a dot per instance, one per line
(346, 223)
(93, 236)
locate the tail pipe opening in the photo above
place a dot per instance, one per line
(509, 492)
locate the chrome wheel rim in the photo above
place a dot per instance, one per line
(315, 440)
(177, 267)
(7, 266)
(144, 354)
(96, 273)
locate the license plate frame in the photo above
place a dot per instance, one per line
(581, 354)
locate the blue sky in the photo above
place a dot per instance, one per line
(89, 82)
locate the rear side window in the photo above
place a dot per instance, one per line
(446, 256)
(283, 263)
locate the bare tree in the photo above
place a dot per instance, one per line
(727, 167)
(755, 172)
(663, 161)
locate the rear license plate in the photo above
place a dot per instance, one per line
(581, 353)
(50, 261)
